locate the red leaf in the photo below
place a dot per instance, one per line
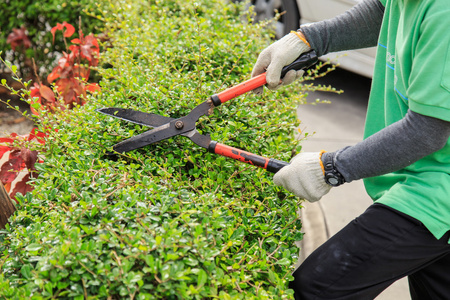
(69, 29)
(4, 155)
(67, 33)
(18, 37)
(29, 158)
(64, 61)
(90, 50)
(3, 150)
(47, 93)
(64, 69)
(35, 91)
(63, 86)
(45, 97)
(93, 87)
(75, 52)
(70, 89)
(21, 185)
(37, 135)
(6, 140)
(81, 72)
(53, 75)
(17, 165)
(10, 167)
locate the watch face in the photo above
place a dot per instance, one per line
(333, 181)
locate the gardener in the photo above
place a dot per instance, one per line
(404, 159)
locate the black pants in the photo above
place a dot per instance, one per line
(370, 253)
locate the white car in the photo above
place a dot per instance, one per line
(296, 12)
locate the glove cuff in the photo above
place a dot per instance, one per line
(302, 37)
(321, 161)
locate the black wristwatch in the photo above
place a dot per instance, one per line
(332, 175)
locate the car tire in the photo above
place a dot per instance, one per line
(290, 20)
(266, 9)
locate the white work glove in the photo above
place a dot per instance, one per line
(304, 177)
(278, 55)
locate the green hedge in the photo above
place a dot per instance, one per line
(168, 221)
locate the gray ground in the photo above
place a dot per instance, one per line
(12, 120)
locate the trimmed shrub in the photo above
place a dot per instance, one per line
(170, 220)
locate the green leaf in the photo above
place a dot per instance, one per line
(283, 262)
(33, 247)
(26, 271)
(201, 278)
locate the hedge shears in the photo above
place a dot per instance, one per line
(166, 127)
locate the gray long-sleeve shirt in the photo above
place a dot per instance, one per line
(396, 146)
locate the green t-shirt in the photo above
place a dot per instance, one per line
(412, 71)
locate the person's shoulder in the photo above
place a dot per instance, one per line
(437, 5)
(433, 12)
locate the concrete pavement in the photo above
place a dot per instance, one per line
(333, 126)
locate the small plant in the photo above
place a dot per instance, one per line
(19, 38)
(70, 74)
(73, 69)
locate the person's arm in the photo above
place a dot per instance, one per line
(357, 28)
(393, 148)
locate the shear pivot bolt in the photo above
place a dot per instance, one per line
(179, 124)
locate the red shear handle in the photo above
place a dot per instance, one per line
(270, 164)
(239, 89)
(303, 61)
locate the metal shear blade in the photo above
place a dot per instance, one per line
(164, 127)
(134, 116)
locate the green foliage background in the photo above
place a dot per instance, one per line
(168, 221)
